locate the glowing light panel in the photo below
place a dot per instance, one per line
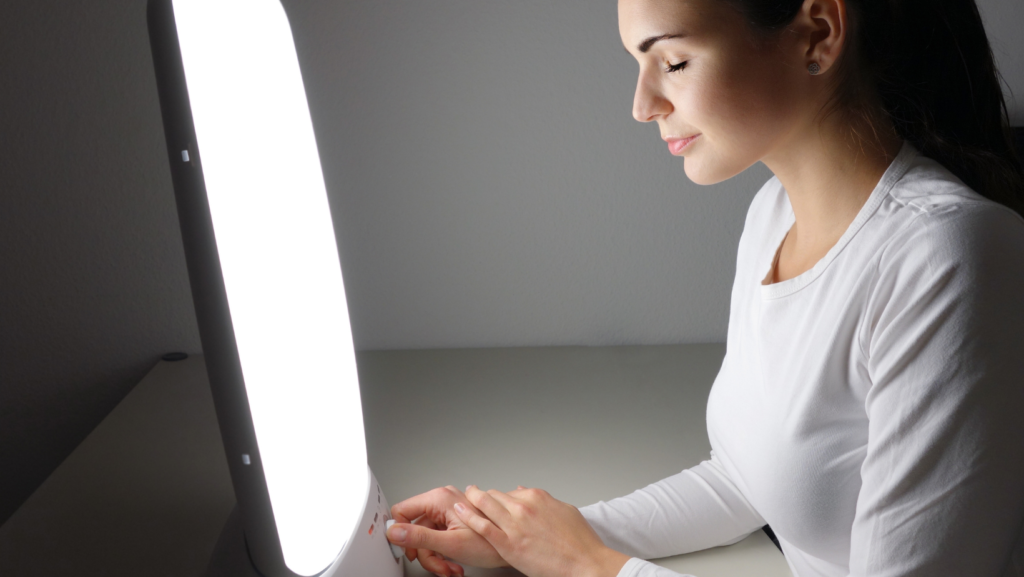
(281, 269)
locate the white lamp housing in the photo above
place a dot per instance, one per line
(267, 281)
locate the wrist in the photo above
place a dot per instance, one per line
(606, 563)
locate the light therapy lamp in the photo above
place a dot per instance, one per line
(267, 286)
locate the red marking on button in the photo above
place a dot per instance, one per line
(371, 529)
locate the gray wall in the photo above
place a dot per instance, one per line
(490, 186)
(93, 286)
(1004, 21)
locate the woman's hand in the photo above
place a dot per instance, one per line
(538, 534)
(427, 526)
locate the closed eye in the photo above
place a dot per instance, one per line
(676, 67)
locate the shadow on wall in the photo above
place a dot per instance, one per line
(93, 287)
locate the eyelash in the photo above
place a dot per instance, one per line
(676, 67)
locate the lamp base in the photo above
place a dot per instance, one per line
(367, 551)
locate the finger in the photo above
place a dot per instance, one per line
(395, 535)
(411, 552)
(432, 503)
(513, 506)
(417, 537)
(507, 501)
(490, 507)
(432, 562)
(438, 565)
(527, 495)
(428, 523)
(483, 527)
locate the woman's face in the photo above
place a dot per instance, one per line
(736, 100)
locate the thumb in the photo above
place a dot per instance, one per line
(412, 536)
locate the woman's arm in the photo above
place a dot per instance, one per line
(943, 478)
(538, 534)
(541, 536)
(696, 509)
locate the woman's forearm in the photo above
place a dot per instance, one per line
(606, 562)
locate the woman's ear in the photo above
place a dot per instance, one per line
(821, 27)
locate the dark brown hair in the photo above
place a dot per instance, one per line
(929, 67)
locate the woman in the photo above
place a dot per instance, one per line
(870, 406)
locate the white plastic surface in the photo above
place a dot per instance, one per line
(367, 552)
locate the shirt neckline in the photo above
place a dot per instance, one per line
(892, 175)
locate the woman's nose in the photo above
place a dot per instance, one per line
(648, 102)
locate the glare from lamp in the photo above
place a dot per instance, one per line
(282, 274)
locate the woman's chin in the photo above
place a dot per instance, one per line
(698, 172)
(704, 173)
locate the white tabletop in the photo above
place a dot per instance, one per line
(148, 491)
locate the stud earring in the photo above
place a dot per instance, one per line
(814, 68)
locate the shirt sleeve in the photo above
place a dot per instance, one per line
(942, 488)
(692, 510)
(639, 568)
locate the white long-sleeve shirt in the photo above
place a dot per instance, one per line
(871, 409)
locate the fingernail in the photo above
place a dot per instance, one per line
(397, 534)
(460, 508)
(467, 488)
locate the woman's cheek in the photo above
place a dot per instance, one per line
(712, 165)
(722, 151)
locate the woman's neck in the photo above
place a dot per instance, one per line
(829, 175)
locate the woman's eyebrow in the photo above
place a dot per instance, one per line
(644, 46)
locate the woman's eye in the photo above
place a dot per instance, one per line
(677, 67)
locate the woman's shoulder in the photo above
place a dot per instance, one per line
(944, 234)
(929, 187)
(938, 215)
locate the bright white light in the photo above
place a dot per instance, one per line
(281, 270)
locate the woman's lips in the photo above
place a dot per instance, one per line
(676, 145)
